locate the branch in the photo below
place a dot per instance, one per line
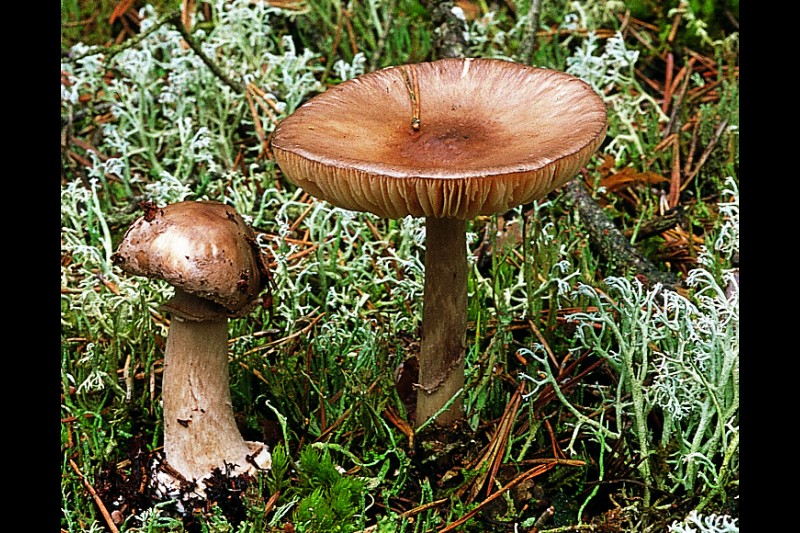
(657, 225)
(610, 242)
(528, 42)
(111, 51)
(448, 30)
(174, 18)
(177, 21)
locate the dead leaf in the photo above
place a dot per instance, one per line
(470, 8)
(628, 175)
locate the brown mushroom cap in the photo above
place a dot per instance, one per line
(203, 248)
(450, 138)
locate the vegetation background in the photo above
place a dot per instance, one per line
(603, 357)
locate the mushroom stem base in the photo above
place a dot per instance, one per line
(444, 321)
(166, 485)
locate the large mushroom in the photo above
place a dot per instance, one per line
(207, 252)
(446, 140)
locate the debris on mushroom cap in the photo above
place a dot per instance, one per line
(203, 248)
(450, 138)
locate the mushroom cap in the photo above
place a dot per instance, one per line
(203, 248)
(452, 138)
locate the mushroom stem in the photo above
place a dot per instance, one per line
(444, 320)
(200, 432)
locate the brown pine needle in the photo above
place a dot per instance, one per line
(423, 507)
(707, 152)
(343, 416)
(399, 423)
(271, 502)
(303, 215)
(257, 123)
(509, 416)
(494, 451)
(668, 87)
(544, 342)
(533, 472)
(675, 176)
(96, 498)
(282, 340)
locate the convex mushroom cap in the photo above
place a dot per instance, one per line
(452, 138)
(203, 248)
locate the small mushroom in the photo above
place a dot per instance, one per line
(446, 140)
(206, 251)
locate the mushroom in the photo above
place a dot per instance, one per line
(206, 251)
(446, 140)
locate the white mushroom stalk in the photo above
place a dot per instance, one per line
(200, 431)
(208, 253)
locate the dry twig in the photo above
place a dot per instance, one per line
(96, 498)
